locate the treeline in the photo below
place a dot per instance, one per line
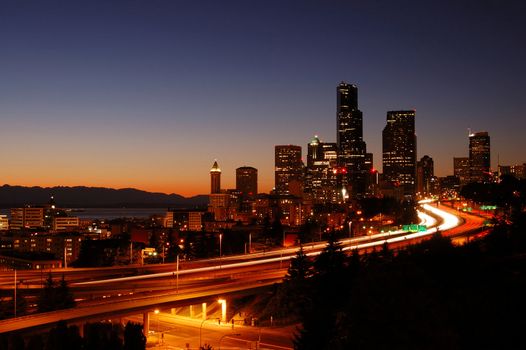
(97, 336)
(429, 296)
(53, 296)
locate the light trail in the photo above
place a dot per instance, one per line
(449, 221)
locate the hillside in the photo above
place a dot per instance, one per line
(94, 197)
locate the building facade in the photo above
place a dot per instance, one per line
(424, 175)
(215, 178)
(349, 132)
(288, 170)
(479, 157)
(461, 169)
(399, 150)
(321, 172)
(27, 218)
(247, 181)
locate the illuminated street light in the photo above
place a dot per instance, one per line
(222, 302)
(220, 248)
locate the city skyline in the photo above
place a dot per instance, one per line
(149, 96)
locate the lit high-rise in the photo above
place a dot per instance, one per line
(288, 170)
(351, 147)
(321, 176)
(479, 157)
(399, 150)
(247, 181)
(424, 175)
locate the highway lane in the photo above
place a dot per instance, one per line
(36, 278)
(138, 303)
(249, 273)
(177, 331)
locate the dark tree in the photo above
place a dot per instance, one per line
(55, 297)
(134, 338)
(47, 298)
(63, 337)
(64, 295)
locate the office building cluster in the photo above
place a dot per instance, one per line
(342, 172)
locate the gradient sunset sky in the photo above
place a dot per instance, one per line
(146, 94)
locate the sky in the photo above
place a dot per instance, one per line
(146, 94)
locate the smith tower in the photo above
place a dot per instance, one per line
(215, 179)
(351, 147)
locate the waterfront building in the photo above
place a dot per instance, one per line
(27, 218)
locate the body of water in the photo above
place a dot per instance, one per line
(109, 213)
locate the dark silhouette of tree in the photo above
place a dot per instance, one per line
(64, 295)
(332, 259)
(134, 339)
(63, 337)
(55, 296)
(47, 298)
(300, 267)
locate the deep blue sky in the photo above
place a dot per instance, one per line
(147, 93)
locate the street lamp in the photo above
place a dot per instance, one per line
(156, 311)
(177, 276)
(230, 334)
(220, 248)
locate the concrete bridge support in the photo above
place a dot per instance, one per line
(192, 311)
(146, 323)
(203, 314)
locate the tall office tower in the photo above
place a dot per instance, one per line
(479, 157)
(399, 150)
(461, 169)
(288, 170)
(320, 179)
(247, 181)
(424, 175)
(215, 178)
(351, 147)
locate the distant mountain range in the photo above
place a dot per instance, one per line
(94, 197)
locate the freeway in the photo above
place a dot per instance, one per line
(207, 279)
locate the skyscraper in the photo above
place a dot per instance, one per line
(479, 157)
(288, 170)
(424, 175)
(399, 150)
(349, 128)
(215, 178)
(461, 169)
(247, 181)
(320, 179)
